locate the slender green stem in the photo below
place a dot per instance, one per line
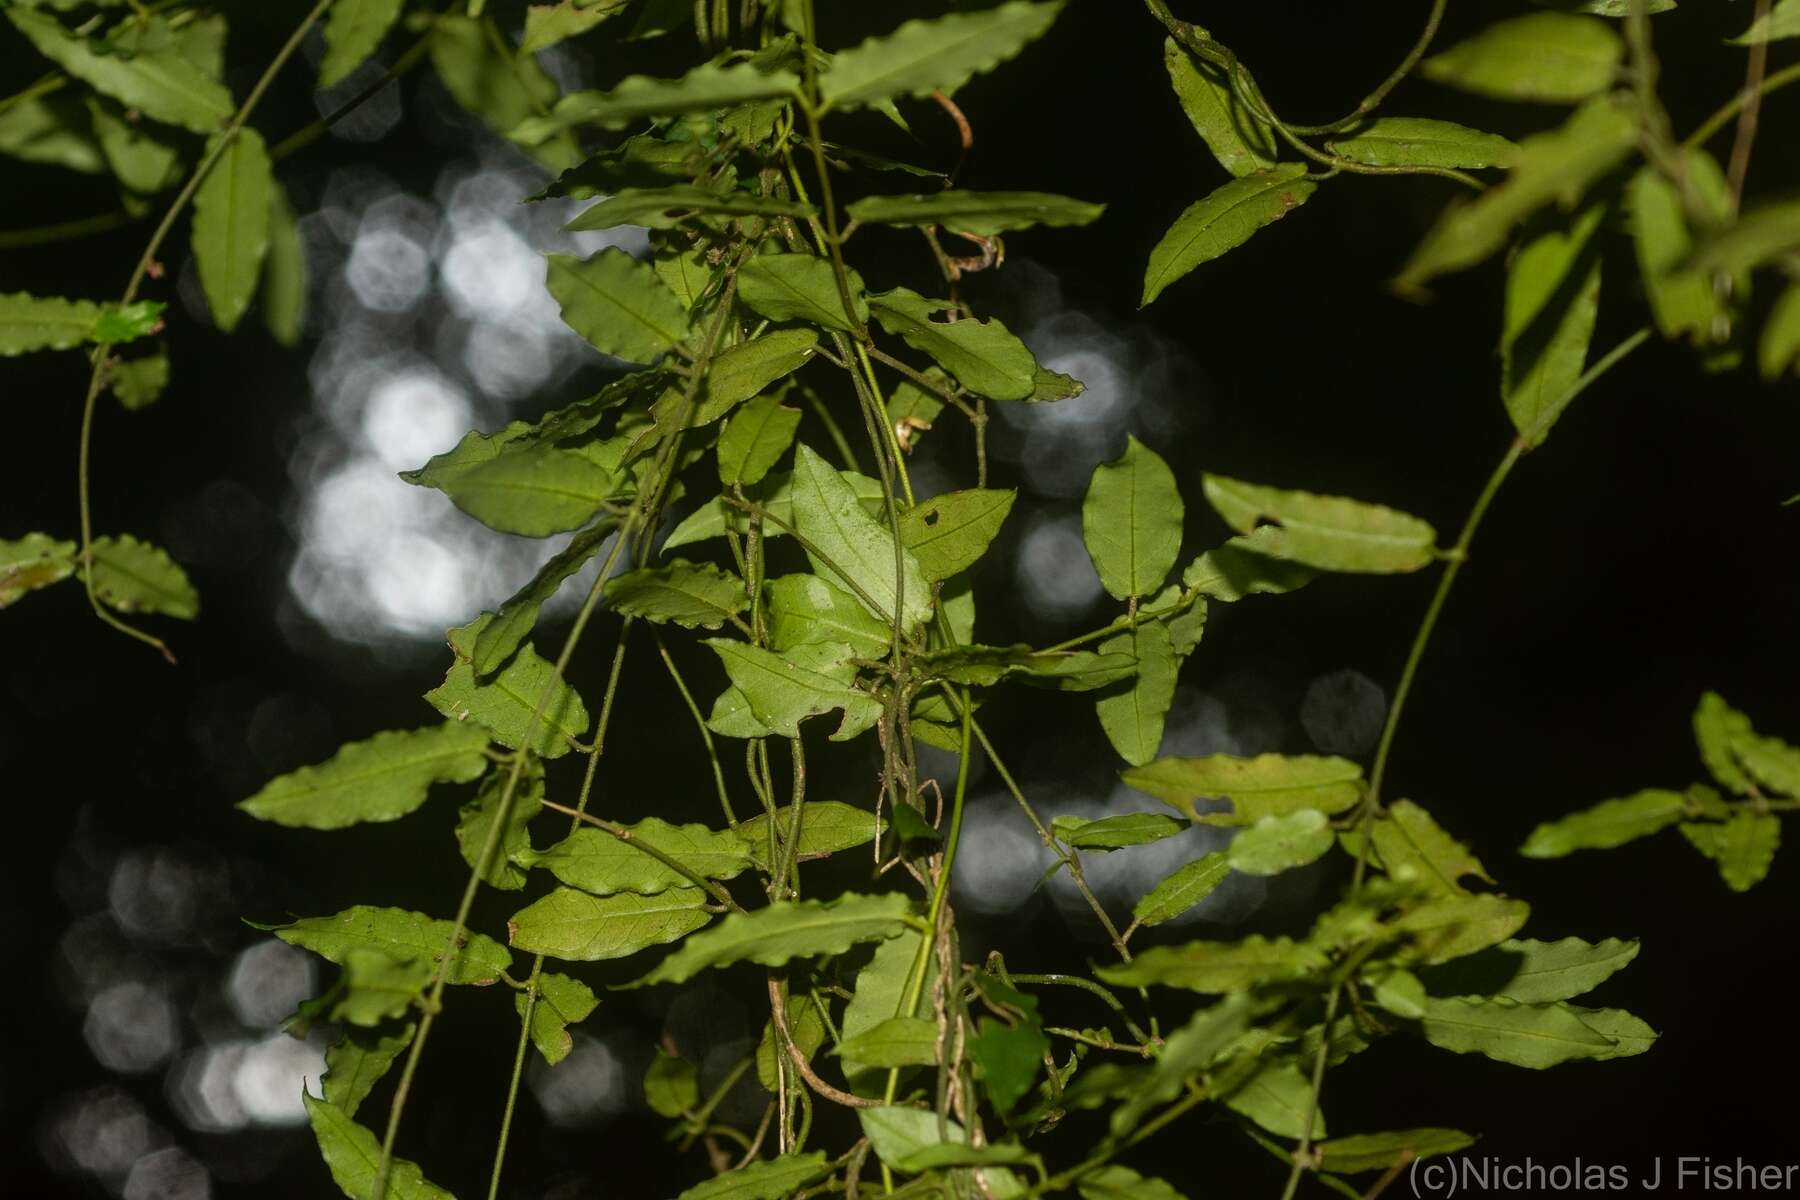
(308, 134)
(52, 82)
(63, 231)
(1373, 100)
(1086, 985)
(1728, 110)
(712, 751)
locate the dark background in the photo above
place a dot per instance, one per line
(1636, 560)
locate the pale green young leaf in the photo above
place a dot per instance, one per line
(1223, 220)
(476, 820)
(1277, 844)
(498, 87)
(1218, 968)
(1525, 1035)
(1405, 836)
(513, 484)
(786, 688)
(134, 576)
(744, 370)
(849, 547)
(755, 438)
(1608, 824)
(1774, 763)
(910, 1139)
(1630, 1034)
(356, 1062)
(353, 32)
(786, 930)
(775, 496)
(1449, 927)
(773, 1179)
(1398, 991)
(30, 323)
(1187, 886)
(1266, 785)
(1552, 302)
(525, 703)
(561, 1002)
(1278, 1097)
(1185, 1053)
(1685, 303)
(671, 1085)
(980, 213)
(1132, 717)
(1534, 972)
(378, 987)
(161, 82)
(577, 927)
(353, 1155)
(1131, 521)
(806, 1028)
(1331, 533)
(925, 56)
(117, 324)
(691, 595)
(1378, 1151)
(984, 356)
(1719, 729)
(1115, 833)
(1242, 144)
(806, 609)
(138, 382)
(49, 130)
(1007, 1058)
(1047, 387)
(1743, 847)
(706, 88)
(597, 861)
(880, 990)
(801, 287)
(895, 1042)
(34, 561)
(617, 304)
(1557, 58)
(1781, 21)
(1778, 350)
(400, 934)
(284, 272)
(1115, 1182)
(1555, 166)
(1423, 142)
(667, 207)
(949, 533)
(548, 24)
(501, 637)
(380, 779)
(826, 827)
(144, 156)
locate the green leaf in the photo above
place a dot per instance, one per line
(1065, 670)
(284, 272)
(1778, 352)
(895, 1042)
(667, 207)
(524, 700)
(1114, 1182)
(356, 1062)
(1556, 58)
(1276, 844)
(1448, 927)
(805, 610)
(1400, 992)
(354, 1156)
(562, 1002)
(597, 861)
(744, 370)
(497, 86)
(353, 32)
(1223, 220)
(826, 826)
(1186, 887)
(1552, 302)
(1609, 8)
(691, 595)
(1423, 142)
(34, 561)
(786, 688)
(138, 382)
(1241, 567)
(1558, 165)
(671, 1085)
(911, 1140)
(1630, 1035)
(776, 497)
(1744, 846)
(1279, 1098)
(134, 576)
(1267, 785)
(1185, 1054)
(1378, 1151)
(1331, 533)
(160, 83)
(848, 546)
(500, 638)
(548, 24)
(984, 356)
(800, 287)
(379, 987)
(575, 926)
(1533, 972)
(755, 438)
(1685, 303)
(880, 989)
(617, 304)
(30, 323)
(513, 484)
(771, 1180)
(980, 213)
(1781, 21)
(1132, 717)
(1723, 733)
(806, 1026)
(921, 57)
(477, 818)
(1115, 833)
(642, 160)
(1406, 836)
(949, 533)
(1242, 144)
(1131, 521)
(1008, 1058)
(706, 88)
(786, 930)
(143, 155)
(49, 131)
(1218, 968)
(119, 323)
(380, 779)
(399, 934)
(1608, 824)
(1525, 1035)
